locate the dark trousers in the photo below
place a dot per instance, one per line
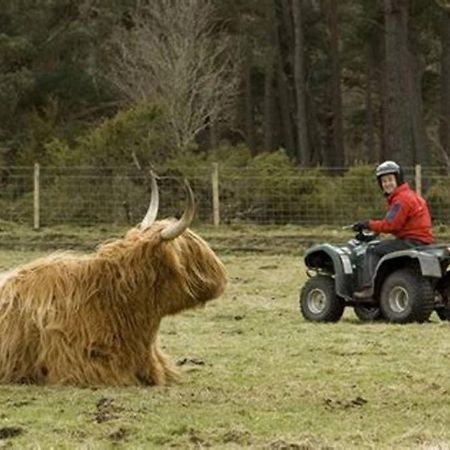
(376, 252)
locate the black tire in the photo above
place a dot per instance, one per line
(443, 313)
(368, 313)
(406, 297)
(319, 302)
(444, 289)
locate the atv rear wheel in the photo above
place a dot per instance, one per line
(406, 297)
(319, 302)
(443, 313)
(368, 313)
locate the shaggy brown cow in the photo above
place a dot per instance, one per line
(94, 319)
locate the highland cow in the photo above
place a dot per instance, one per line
(94, 319)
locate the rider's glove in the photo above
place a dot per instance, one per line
(360, 226)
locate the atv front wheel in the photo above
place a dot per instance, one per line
(319, 302)
(368, 313)
(406, 297)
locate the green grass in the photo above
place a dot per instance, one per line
(254, 374)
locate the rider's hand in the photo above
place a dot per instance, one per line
(360, 226)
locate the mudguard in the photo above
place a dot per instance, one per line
(429, 263)
(320, 256)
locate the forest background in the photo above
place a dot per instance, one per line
(272, 85)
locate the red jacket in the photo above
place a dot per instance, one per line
(407, 217)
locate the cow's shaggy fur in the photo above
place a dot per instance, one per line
(94, 319)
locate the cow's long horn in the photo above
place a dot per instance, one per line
(175, 229)
(152, 211)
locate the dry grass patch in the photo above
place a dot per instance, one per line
(254, 374)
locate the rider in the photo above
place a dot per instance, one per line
(407, 219)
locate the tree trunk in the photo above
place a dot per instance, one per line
(444, 122)
(369, 153)
(283, 103)
(421, 154)
(288, 28)
(284, 99)
(336, 154)
(213, 138)
(381, 82)
(248, 99)
(303, 154)
(270, 123)
(316, 141)
(397, 130)
(269, 105)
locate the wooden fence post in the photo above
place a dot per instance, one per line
(36, 187)
(418, 178)
(215, 194)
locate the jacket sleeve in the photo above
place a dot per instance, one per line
(393, 221)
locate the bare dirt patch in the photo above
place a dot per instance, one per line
(106, 410)
(10, 432)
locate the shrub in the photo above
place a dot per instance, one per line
(135, 131)
(438, 197)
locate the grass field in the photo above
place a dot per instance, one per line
(254, 374)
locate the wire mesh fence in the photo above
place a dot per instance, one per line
(120, 195)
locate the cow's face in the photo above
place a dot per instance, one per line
(205, 272)
(185, 270)
(188, 272)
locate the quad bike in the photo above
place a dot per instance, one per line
(407, 285)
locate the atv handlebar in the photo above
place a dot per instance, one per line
(364, 235)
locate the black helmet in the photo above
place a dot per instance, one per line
(390, 167)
